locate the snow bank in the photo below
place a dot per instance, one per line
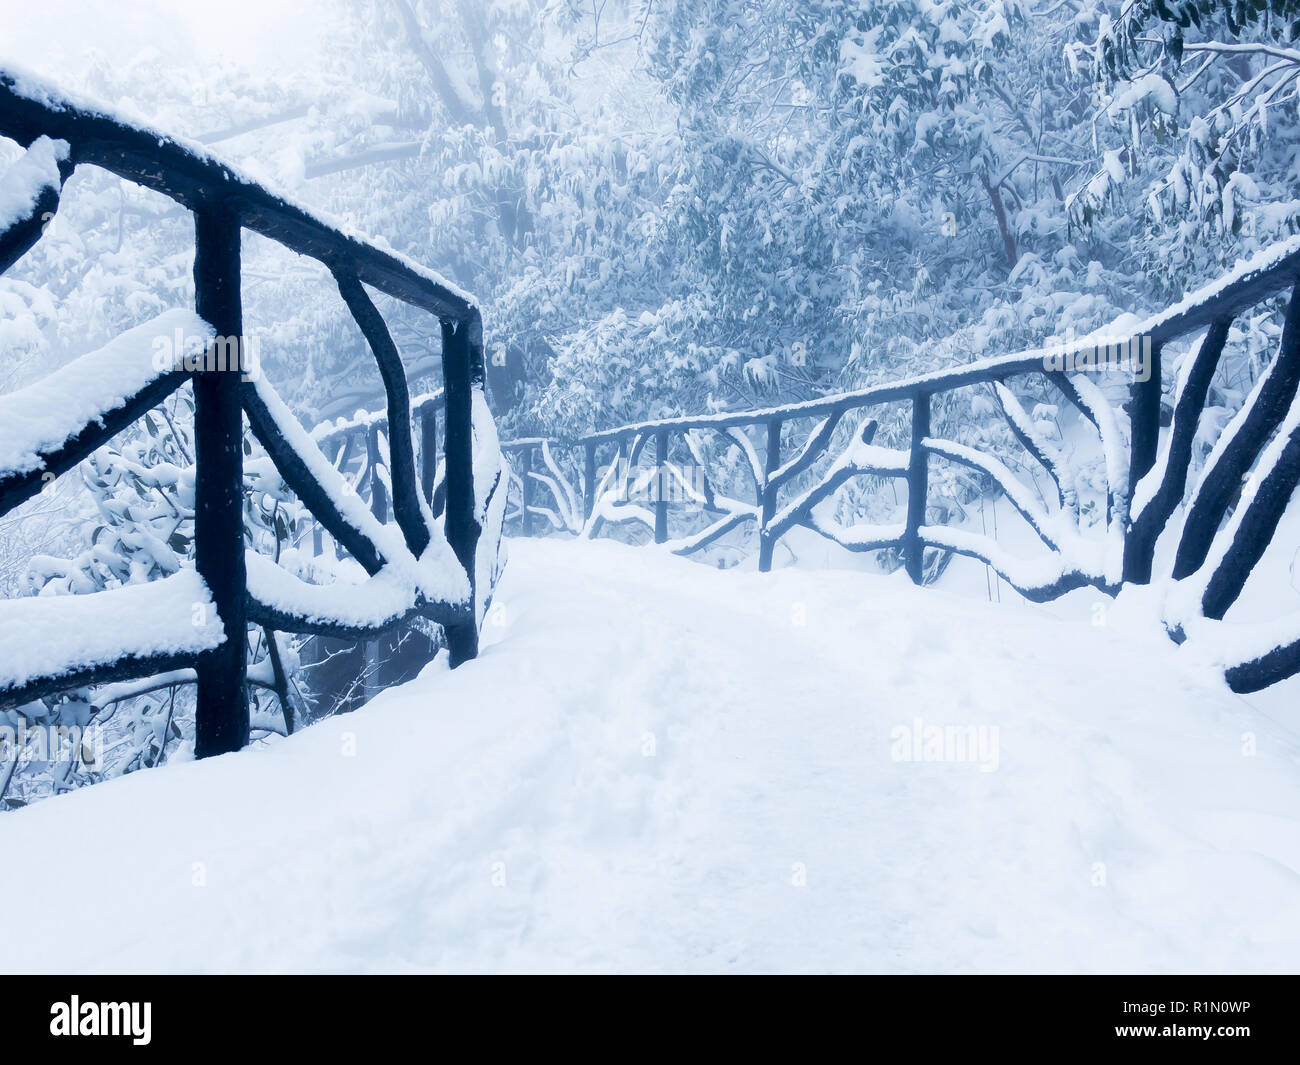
(657, 766)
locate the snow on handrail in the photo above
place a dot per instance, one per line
(436, 590)
(364, 420)
(1252, 655)
(193, 175)
(44, 416)
(29, 195)
(56, 642)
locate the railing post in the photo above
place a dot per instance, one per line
(401, 452)
(525, 478)
(221, 714)
(588, 480)
(1221, 482)
(661, 495)
(768, 509)
(428, 450)
(1146, 528)
(377, 654)
(461, 524)
(918, 471)
(1144, 420)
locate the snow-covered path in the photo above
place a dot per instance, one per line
(656, 766)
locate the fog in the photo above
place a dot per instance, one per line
(48, 37)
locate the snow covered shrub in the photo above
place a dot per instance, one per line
(1199, 96)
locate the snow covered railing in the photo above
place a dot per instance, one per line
(359, 443)
(1148, 486)
(425, 566)
(58, 642)
(50, 426)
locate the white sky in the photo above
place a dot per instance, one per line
(42, 35)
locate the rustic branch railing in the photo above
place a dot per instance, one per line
(1147, 474)
(198, 618)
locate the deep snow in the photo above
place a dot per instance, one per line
(658, 766)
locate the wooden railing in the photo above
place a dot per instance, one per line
(794, 471)
(430, 563)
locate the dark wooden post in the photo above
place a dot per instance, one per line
(461, 524)
(766, 545)
(525, 488)
(1263, 511)
(1145, 529)
(401, 451)
(428, 450)
(1144, 420)
(661, 494)
(221, 713)
(1221, 483)
(377, 653)
(588, 480)
(918, 471)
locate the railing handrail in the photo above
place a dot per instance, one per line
(224, 202)
(1265, 274)
(1142, 492)
(195, 177)
(363, 420)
